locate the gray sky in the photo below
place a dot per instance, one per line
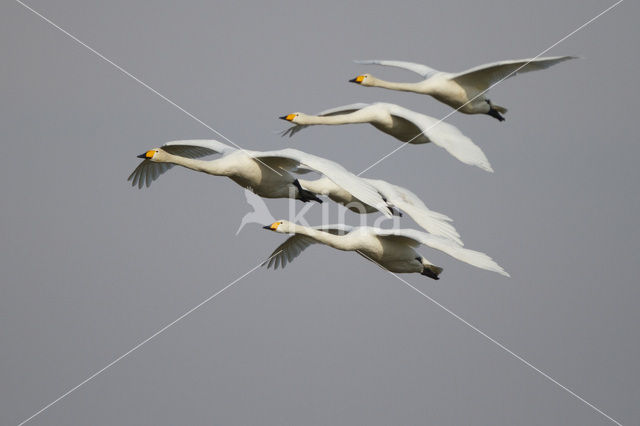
(91, 266)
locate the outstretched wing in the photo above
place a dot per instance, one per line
(344, 109)
(291, 159)
(148, 171)
(423, 70)
(483, 76)
(414, 238)
(294, 245)
(446, 136)
(434, 222)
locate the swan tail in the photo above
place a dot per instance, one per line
(500, 109)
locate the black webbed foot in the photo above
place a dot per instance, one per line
(495, 114)
(304, 195)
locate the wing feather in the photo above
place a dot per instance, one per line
(421, 69)
(483, 76)
(445, 136)
(344, 109)
(290, 159)
(197, 148)
(434, 222)
(472, 257)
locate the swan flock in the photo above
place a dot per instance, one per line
(274, 174)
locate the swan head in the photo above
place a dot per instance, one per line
(362, 79)
(291, 117)
(281, 226)
(149, 155)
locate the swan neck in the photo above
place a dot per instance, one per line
(394, 85)
(335, 241)
(353, 117)
(211, 167)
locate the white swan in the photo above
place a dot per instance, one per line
(266, 173)
(392, 249)
(395, 196)
(464, 90)
(401, 123)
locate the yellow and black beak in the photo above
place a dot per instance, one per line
(272, 227)
(357, 80)
(288, 117)
(148, 154)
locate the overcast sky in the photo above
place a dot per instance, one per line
(91, 267)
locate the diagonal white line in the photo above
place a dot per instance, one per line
(494, 341)
(136, 79)
(493, 85)
(124, 355)
(509, 351)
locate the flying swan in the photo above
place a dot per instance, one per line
(396, 197)
(401, 123)
(267, 173)
(392, 249)
(463, 91)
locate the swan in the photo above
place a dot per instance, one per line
(401, 123)
(392, 249)
(267, 173)
(465, 90)
(396, 197)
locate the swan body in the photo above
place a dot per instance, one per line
(267, 173)
(395, 196)
(401, 123)
(392, 249)
(465, 90)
